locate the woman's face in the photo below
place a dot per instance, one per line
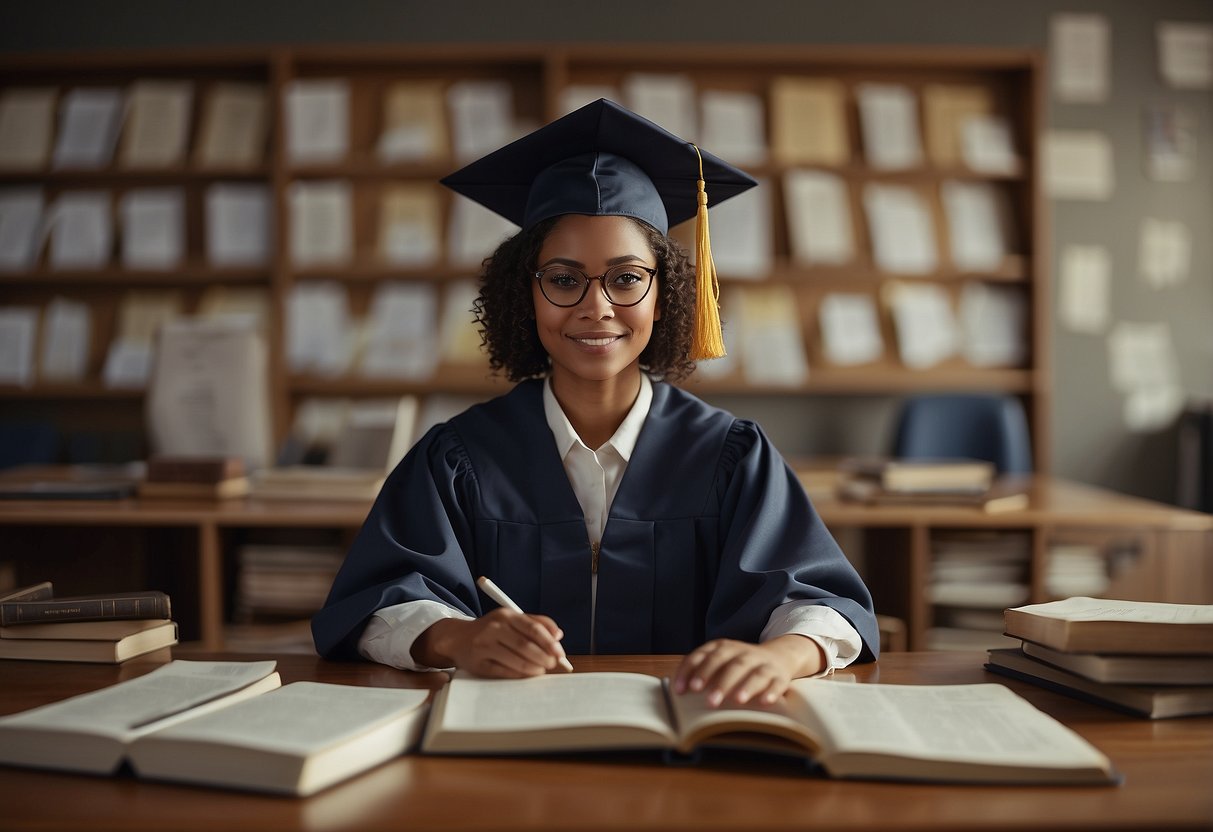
(595, 340)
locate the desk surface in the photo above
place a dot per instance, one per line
(1168, 768)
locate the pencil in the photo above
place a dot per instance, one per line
(493, 591)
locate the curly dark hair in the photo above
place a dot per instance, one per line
(505, 310)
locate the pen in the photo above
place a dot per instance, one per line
(493, 591)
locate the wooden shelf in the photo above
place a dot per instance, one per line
(81, 390)
(110, 275)
(131, 176)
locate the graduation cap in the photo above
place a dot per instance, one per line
(604, 160)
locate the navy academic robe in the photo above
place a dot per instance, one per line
(708, 533)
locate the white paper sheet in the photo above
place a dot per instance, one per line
(850, 329)
(27, 122)
(1185, 54)
(414, 123)
(1164, 252)
(1079, 47)
(482, 117)
(322, 223)
(818, 207)
(20, 227)
(153, 228)
(128, 365)
(460, 336)
(157, 124)
(234, 126)
(978, 224)
(66, 330)
(474, 232)
(993, 322)
(237, 225)
(734, 126)
(925, 323)
(1085, 278)
(410, 225)
(81, 230)
(668, 100)
(1144, 367)
(89, 122)
(888, 117)
(319, 337)
(742, 246)
(771, 344)
(317, 121)
(18, 328)
(1078, 165)
(986, 145)
(903, 233)
(401, 332)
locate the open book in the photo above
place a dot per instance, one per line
(220, 723)
(955, 733)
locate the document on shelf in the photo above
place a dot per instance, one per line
(410, 225)
(18, 328)
(235, 122)
(321, 223)
(414, 123)
(888, 120)
(818, 207)
(771, 344)
(850, 328)
(128, 364)
(808, 121)
(319, 335)
(237, 225)
(482, 117)
(474, 232)
(247, 305)
(27, 123)
(401, 331)
(575, 96)
(157, 124)
(66, 334)
(742, 234)
(903, 233)
(665, 98)
(81, 230)
(987, 145)
(460, 338)
(90, 120)
(979, 224)
(994, 325)
(734, 126)
(317, 120)
(946, 109)
(924, 322)
(153, 228)
(20, 228)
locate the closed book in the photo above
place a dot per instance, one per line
(199, 469)
(1128, 669)
(922, 475)
(186, 490)
(137, 638)
(1104, 625)
(1151, 701)
(34, 592)
(1009, 495)
(119, 605)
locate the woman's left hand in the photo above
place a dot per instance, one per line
(737, 672)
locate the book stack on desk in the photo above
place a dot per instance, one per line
(194, 478)
(105, 628)
(1149, 659)
(929, 482)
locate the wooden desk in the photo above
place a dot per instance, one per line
(1168, 769)
(192, 544)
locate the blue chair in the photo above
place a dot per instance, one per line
(976, 426)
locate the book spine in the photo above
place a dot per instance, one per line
(147, 605)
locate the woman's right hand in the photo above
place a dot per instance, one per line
(501, 644)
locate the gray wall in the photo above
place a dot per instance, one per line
(1090, 441)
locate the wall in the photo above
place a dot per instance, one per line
(1090, 440)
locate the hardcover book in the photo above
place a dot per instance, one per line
(1103, 625)
(106, 642)
(113, 605)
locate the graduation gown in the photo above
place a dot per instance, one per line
(709, 531)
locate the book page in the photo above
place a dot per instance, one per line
(983, 724)
(1105, 609)
(317, 121)
(153, 228)
(698, 723)
(157, 124)
(89, 122)
(27, 118)
(234, 126)
(556, 701)
(145, 703)
(20, 224)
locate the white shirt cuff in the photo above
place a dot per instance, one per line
(839, 641)
(391, 631)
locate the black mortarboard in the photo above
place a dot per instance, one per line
(604, 160)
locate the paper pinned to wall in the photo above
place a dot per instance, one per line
(888, 119)
(18, 329)
(818, 208)
(733, 126)
(27, 122)
(1169, 144)
(742, 243)
(1185, 54)
(903, 233)
(89, 122)
(1078, 165)
(1144, 367)
(317, 120)
(153, 228)
(319, 337)
(850, 328)
(924, 322)
(1164, 252)
(667, 99)
(322, 224)
(1085, 279)
(237, 224)
(993, 321)
(1079, 51)
(401, 332)
(20, 228)
(66, 330)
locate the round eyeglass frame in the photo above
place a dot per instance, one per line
(601, 278)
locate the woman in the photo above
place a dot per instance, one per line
(625, 515)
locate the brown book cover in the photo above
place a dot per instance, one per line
(145, 604)
(194, 469)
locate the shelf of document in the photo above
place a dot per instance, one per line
(110, 276)
(75, 390)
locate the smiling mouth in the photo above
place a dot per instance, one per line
(600, 341)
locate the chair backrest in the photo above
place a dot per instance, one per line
(977, 426)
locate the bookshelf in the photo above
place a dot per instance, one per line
(538, 79)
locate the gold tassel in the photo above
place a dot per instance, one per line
(707, 340)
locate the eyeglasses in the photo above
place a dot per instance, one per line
(624, 285)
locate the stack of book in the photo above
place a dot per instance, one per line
(927, 482)
(1149, 659)
(194, 478)
(108, 628)
(974, 576)
(317, 482)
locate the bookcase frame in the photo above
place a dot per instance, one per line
(537, 73)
